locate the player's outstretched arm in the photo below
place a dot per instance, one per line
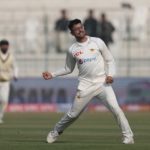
(47, 75)
(69, 67)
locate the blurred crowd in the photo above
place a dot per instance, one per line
(102, 28)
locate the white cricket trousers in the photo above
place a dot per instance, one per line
(106, 95)
(4, 95)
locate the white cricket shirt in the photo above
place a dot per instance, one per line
(93, 59)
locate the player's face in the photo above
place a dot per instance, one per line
(78, 31)
(4, 48)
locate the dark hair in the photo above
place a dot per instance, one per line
(73, 22)
(103, 14)
(91, 11)
(63, 11)
(4, 42)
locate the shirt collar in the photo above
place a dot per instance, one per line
(84, 43)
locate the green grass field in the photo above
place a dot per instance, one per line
(92, 131)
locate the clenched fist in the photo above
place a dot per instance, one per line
(47, 75)
(109, 80)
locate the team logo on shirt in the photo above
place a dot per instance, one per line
(92, 49)
(78, 53)
(85, 60)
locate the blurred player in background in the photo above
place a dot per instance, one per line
(106, 29)
(96, 70)
(90, 24)
(8, 71)
(62, 35)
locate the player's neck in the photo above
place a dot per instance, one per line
(4, 53)
(82, 40)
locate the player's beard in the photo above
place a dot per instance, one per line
(4, 50)
(81, 35)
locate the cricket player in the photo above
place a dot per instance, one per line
(96, 71)
(8, 70)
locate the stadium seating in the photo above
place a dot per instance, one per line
(25, 25)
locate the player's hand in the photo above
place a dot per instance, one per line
(47, 75)
(109, 80)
